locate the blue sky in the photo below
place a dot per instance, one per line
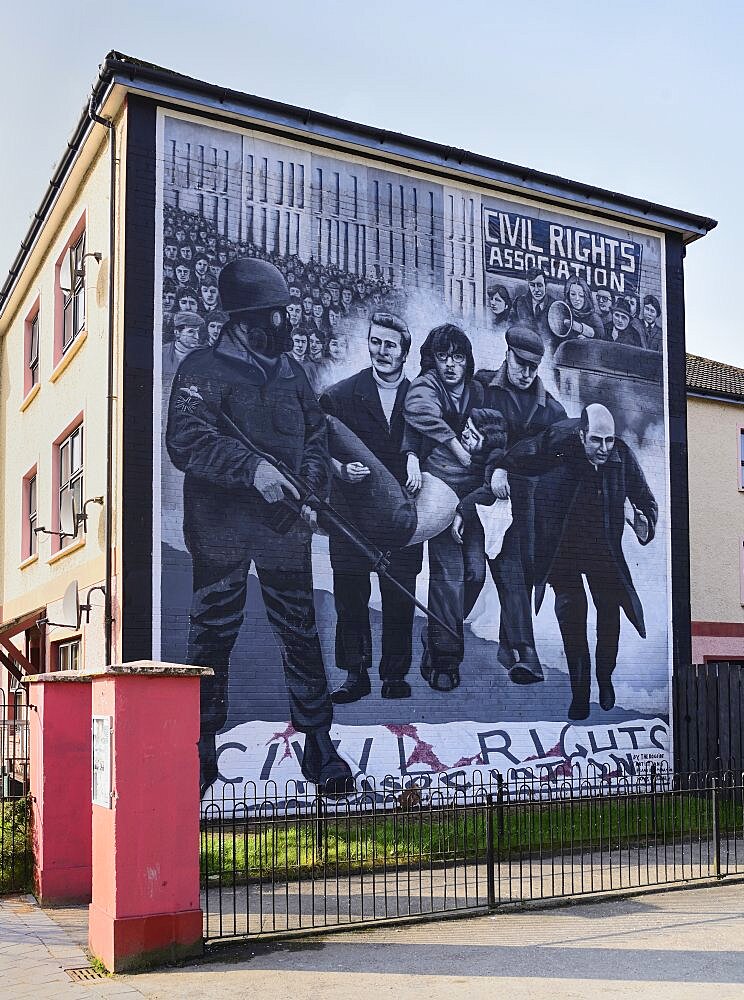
(643, 98)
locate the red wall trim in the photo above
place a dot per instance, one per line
(725, 629)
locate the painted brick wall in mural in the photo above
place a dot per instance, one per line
(411, 479)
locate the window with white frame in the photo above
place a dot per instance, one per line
(73, 298)
(70, 453)
(741, 458)
(33, 352)
(68, 655)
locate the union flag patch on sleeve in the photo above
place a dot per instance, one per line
(188, 399)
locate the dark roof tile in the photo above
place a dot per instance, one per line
(714, 377)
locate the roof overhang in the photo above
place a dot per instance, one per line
(107, 100)
(21, 622)
(716, 397)
(14, 661)
(120, 74)
(167, 86)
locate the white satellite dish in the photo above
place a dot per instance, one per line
(68, 520)
(71, 607)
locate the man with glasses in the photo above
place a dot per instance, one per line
(517, 392)
(437, 408)
(604, 307)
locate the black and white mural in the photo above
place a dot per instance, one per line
(411, 471)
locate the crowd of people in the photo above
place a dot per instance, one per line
(323, 297)
(406, 464)
(623, 319)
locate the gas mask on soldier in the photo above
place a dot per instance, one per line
(255, 295)
(266, 333)
(261, 332)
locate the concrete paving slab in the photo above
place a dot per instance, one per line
(35, 951)
(672, 945)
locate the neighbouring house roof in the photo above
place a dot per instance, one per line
(714, 378)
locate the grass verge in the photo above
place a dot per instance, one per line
(295, 847)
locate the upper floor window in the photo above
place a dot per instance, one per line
(31, 337)
(33, 351)
(70, 457)
(72, 279)
(30, 515)
(741, 458)
(32, 504)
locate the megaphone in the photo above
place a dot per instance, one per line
(562, 322)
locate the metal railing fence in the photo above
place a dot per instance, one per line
(292, 859)
(16, 865)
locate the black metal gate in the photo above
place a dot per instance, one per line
(16, 866)
(292, 861)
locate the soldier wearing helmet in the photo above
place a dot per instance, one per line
(232, 498)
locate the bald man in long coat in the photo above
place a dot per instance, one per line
(586, 474)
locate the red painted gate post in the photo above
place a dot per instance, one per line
(145, 907)
(60, 773)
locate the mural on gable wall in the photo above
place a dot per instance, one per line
(412, 480)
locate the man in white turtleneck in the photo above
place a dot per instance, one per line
(370, 403)
(387, 368)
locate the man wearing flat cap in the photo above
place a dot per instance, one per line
(188, 334)
(517, 392)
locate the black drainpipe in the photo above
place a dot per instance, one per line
(110, 397)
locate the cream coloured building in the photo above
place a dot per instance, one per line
(58, 352)
(715, 428)
(167, 179)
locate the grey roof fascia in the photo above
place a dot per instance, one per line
(100, 91)
(166, 84)
(719, 397)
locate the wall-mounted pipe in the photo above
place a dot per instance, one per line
(110, 395)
